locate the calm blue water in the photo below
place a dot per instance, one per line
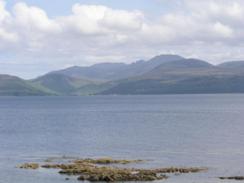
(169, 130)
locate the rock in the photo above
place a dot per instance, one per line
(232, 178)
(105, 161)
(109, 174)
(101, 170)
(179, 170)
(32, 166)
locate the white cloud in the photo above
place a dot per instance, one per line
(6, 34)
(97, 20)
(96, 31)
(84, 19)
(223, 30)
(123, 20)
(32, 18)
(3, 12)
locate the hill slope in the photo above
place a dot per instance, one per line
(194, 85)
(238, 65)
(62, 84)
(182, 76)
(11, 85)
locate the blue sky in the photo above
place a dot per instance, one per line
(37, 36)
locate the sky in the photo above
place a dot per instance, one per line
(38, 36)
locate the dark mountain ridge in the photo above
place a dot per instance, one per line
(116, 71)
(163, 74)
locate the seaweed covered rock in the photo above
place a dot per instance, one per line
(91, 172)
(179, 170)
(106, 161)
(104, 169)
(110, 174)
(32, 166)
(232, 178)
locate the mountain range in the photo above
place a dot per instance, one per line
(163, 74)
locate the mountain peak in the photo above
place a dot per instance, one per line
(166, 58)
(189, 63)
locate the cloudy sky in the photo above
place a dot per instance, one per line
(37, 36)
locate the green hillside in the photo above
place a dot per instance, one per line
(11, 85)
(64, 85)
